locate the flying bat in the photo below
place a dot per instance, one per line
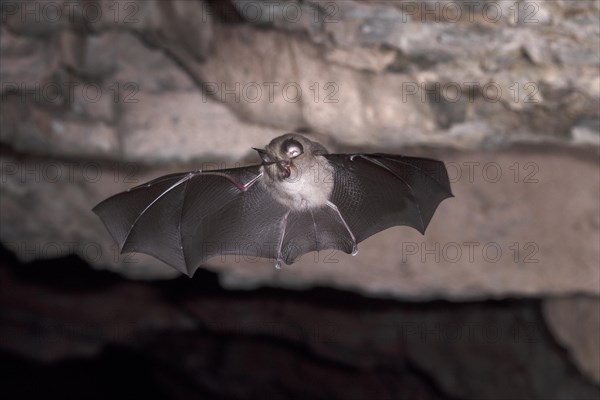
(299, 199)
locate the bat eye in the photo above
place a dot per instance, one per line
(292, 148)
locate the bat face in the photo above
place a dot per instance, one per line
(299, 177)
(300, 199)
(291, 152)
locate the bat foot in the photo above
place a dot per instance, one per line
(354, 250)
(278, 264)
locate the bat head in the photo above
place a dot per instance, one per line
(288, 151)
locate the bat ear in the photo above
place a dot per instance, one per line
(263, 155)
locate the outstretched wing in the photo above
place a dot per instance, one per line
(371, 192)
(374, 192)
(184, 219)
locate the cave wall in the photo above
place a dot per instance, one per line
(99, 96)
(74, 332)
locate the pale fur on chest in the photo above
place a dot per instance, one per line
(308, 187)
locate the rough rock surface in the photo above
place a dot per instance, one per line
(189, 337)
(107, 94)
(495, 238)
(573, 321)
(454, 74)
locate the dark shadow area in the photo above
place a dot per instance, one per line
(71, 332)
(113, 373)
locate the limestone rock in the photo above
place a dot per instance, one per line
(46, 228)
(500, 236)
(575, 322)
(184, 82)
(39, 130)
(25, 61)
(120, 58)
(178, 126)
(376, 60)
(60, 312)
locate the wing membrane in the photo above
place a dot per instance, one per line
(377, 191)
(184, 219)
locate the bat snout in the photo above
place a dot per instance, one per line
(285, 168)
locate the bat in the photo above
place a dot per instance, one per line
(298, 200)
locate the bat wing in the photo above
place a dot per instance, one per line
(184, 219)
(373, 192)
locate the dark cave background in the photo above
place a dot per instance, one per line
(71, 332)
(75, 324)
